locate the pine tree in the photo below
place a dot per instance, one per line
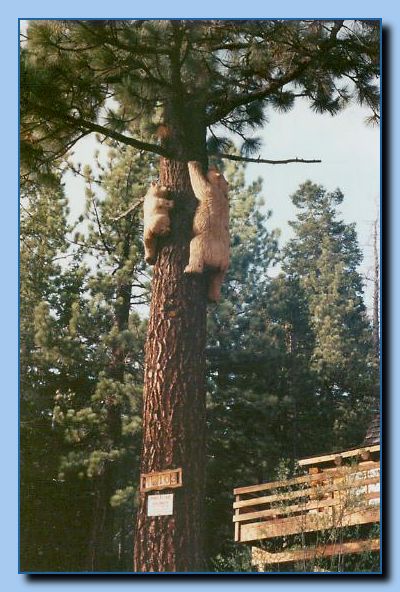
(83, 348)
(177, 81)
(103, 426)
(47, 517)
(322, 259)
(376, 311)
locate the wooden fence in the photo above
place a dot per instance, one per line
(328, 497)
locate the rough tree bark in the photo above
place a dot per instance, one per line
(174, 392)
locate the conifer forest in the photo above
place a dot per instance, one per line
(133, 368)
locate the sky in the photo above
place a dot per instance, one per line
(350, 153)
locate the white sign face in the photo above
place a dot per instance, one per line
(160, 505)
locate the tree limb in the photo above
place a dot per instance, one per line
(103, 238)
(90, 126)
(264, 160)
(129, 210)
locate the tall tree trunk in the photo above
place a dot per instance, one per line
(174, 393)
(102, 556)
(375, 322)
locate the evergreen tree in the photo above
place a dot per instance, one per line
(87, 341)
(47, 516)
(322, 260)
(290, 357)
(103, 427)
(180, 80)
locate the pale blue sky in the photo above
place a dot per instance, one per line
(350, 154)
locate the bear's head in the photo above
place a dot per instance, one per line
(159, 190)
(217, 179)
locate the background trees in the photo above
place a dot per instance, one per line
(322, 261)
(82, 365)
(291, 356)
(44, 507)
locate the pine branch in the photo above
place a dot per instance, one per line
(337, 25)
(103, 238)
(263, 160)
(99, 248)
(129, 210)
(273, 86)
(111, 38)
(90, 126)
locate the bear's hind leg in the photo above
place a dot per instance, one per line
(196, 259)
(150, 251)
(214, 288)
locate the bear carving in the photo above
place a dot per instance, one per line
(209, 247)
(156, 219)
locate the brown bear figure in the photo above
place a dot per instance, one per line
(156, 219)
(209, 247)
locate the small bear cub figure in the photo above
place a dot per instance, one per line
(156, 219)
(209, 247)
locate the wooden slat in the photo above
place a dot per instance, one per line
(274, 512)
(281, 511)
(322, 490)
(305, 523)
(367, 465)
(343, 470)
(237, 525)
(280, 497)
(277, 484)
(261, 557)
(331, 457)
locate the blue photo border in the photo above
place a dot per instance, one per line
(11, 217)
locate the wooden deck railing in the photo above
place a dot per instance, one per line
(326, 498)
